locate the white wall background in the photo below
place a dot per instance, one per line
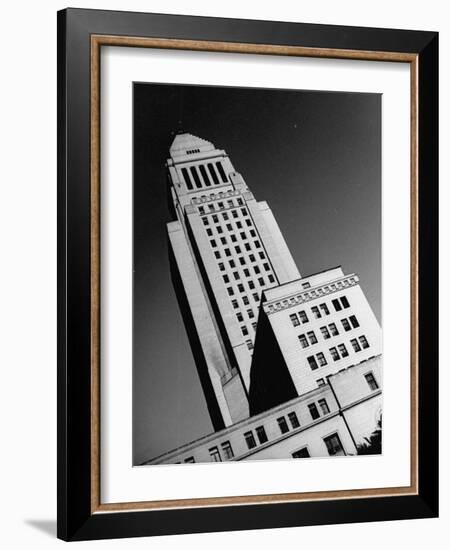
(28, 269)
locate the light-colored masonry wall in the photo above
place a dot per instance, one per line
(358, 408)
(293, 298)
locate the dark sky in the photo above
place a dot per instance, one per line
(315, 157)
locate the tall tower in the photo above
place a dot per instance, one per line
(225, 250)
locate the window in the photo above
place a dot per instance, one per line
(238, 249)
(215, 219)
(239, 317)
(255, 296)
(252, 232)
(226, 279)
(333, 329)
(282, 424)
(248, 222)
(355, 344)
(256, 269)
(321, 359)
(336, 304)
(254, 326)
(232, 264)
(250, 313)
(320, 382)
(303, 317)
(257, 244)
(261, 433)
(236, 275)
(227, 450)
(205, 220)
(334, 445)
(239, 225)
(223, 240)
(301, 453)
(219, 229)
(245, 300)
(247, 247)
(324, 406)
(235, 304)
(244, 331)
(293, 420)
(251, 257)
(364, 342)
(325, 333)
(190, 459)
(313, 411)
(343, 350)
(221, 172)
(227, 252)
(303, 341)
(241, 287)
(271, 278)
(242, 260)
(250, 440)
(261, 255)
(344, 302)
(354, 321)
(316, 312)
(249, 344)
(306, 285)
(226, 217)
(230, 203)
(312, 337)
(213, 174)
(217, 254)
(221, 267)
(324, 309)
(312, 362)
(346, 325)
(211, 209)
(243, 235)
(266, 266)
(334, 354)
(233, 239)
(246, 272)
(251, 285)
(214, 453)
(229, 227)
(234, 213)
(261, 281)
(205, 175)
(230, 291)
(240, 202)
(244, 211)
(370, 378)
(187, 179)
(213, 243)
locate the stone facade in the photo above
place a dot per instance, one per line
(290, 366)
(348, 404)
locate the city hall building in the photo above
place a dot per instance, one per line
(290, 365)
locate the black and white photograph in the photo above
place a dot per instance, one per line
(256, 274)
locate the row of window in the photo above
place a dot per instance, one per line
(259, 435)
(327, 331)
(332, 443)
(319, 311)
(246, 272)
(337, 352)
(225, 216)
(201, 175)
(242, 261)
(233, 239)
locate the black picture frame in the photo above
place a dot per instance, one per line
(76, 518)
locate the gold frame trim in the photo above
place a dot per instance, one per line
(97, 41)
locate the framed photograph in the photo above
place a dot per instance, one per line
(247, 274)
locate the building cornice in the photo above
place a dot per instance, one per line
(297, 298)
